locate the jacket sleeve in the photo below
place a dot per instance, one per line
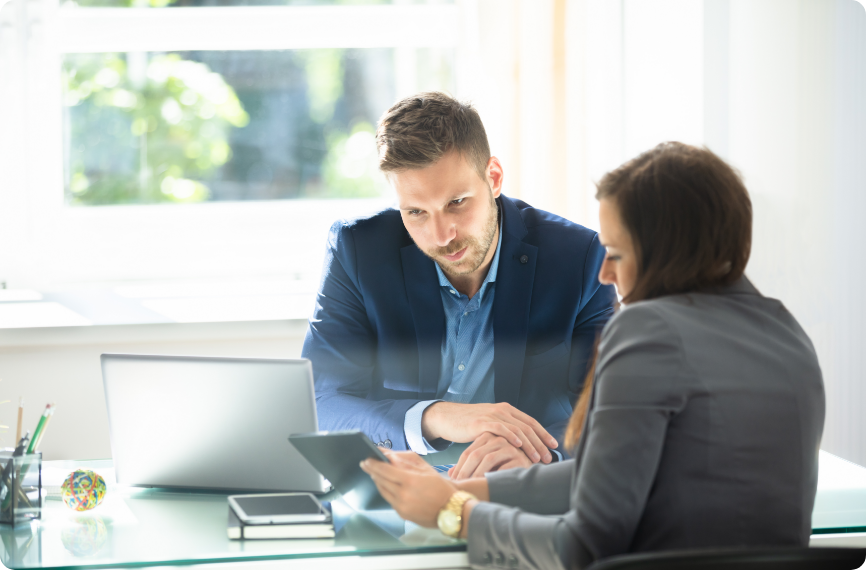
(641, 383)
(596, 308)
(541, 489)
(341, 344)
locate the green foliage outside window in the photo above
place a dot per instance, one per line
(145, 129)
(158, 128)
(178, 113)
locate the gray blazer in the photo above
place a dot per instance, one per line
(704, 426)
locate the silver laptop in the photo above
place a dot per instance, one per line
(210, 423)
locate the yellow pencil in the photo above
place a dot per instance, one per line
(20, 419)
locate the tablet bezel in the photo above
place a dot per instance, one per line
(236, 502)
(337, 456)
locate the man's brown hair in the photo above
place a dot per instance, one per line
(419, 130)
(690, 221)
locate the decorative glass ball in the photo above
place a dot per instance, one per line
(83, 490)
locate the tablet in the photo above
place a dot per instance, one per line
(337, 456)
(279, 508)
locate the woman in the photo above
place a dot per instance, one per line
(701, 422)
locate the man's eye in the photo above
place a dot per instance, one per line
(613, 258)
(414, 212)
(458, 201)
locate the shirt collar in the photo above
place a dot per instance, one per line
(491, 272)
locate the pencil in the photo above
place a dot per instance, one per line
(39, 427)
(44, 427)
(20, 418)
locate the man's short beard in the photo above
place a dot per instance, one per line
(478, 247)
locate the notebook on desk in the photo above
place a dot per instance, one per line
(237, 530)
(210, 423)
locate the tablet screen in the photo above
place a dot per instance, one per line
(270, 505)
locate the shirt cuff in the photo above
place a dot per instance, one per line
(412, 428)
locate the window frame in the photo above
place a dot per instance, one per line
(62, 245)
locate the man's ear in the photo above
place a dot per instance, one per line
(495, 176)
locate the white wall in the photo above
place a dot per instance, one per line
(62, 366)
(847, 276)
(777, 88)
(796, 104)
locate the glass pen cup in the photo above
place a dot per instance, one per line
(20, 487)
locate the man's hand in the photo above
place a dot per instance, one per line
(467, 422)
(488, 453)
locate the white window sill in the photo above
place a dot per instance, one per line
(23, 338)
(92, 313)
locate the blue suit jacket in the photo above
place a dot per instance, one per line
(375, 337)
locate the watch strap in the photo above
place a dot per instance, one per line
(455, 505)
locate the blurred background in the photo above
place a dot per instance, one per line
(169, 168)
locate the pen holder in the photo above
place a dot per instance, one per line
(20, 487)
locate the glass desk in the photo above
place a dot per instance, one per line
(149, 527)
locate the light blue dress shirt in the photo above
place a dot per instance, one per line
(467, 352)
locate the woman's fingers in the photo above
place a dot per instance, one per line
(409, 460)
(387, 490)
(386, 471)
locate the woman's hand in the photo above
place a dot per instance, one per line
(409, 460)
(414, 489)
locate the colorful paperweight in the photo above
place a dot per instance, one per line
(83, 490)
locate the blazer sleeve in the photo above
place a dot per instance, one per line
(641, 383)
(541, 489)
(596, 308)
(341, 344)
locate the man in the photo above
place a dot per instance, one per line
(464, 316)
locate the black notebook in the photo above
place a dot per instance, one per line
(240, 531)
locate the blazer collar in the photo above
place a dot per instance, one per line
(428, 315)
(511, 303)
(741, 286)
(512, 221)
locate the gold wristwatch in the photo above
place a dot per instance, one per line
(450, 519)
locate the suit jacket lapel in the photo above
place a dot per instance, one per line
(425, 300)
(511, 304)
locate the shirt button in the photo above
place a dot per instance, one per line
(461, 368)
(453, 292)
(466, 313)
(387, 444)
(524, 259)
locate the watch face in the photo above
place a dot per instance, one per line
(449, 523)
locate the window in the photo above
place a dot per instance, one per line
(196, 140)
(196, 126)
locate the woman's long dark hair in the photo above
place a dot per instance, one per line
(690, 220)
